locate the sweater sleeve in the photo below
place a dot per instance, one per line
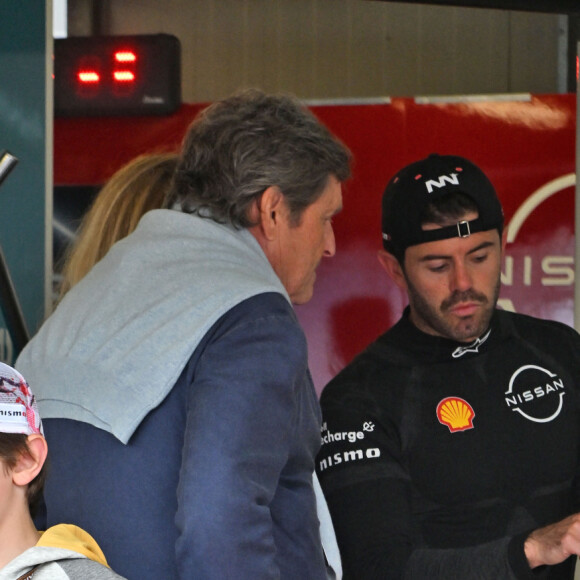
(238, 436)
(375, 540)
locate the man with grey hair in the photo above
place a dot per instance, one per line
(173, 379)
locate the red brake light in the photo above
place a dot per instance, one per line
(125, 56)
(88, 76)
(124, 76)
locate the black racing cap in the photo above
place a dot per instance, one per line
(418, 184)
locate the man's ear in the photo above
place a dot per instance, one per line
(267, 211)
(29, 464)
(393, 268)
(503, 240)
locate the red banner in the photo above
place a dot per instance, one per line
(526, 146)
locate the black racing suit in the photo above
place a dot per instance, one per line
(439, 458)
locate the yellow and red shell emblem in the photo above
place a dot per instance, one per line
(456, 413)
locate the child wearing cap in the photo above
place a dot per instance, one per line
(63, 551)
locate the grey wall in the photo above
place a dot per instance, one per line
(340, 48)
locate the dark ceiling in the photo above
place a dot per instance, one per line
(553, 6)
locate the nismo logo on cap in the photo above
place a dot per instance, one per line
(13, 413)
(456, 413)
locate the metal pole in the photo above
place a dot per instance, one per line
(9, 304)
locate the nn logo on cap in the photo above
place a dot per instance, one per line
(450, 179)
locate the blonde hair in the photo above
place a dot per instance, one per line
(141, 185)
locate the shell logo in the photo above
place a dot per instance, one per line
(456, 413)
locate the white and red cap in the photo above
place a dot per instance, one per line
(18, 410)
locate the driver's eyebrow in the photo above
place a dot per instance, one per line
(429, 257)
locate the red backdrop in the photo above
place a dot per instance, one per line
(527, 148)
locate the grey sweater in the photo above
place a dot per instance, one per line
(63, 552)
